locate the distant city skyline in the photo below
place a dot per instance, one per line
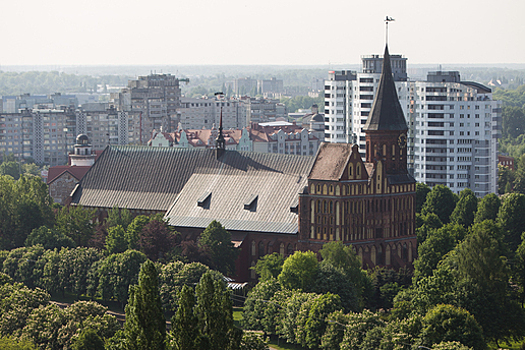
(307, 32)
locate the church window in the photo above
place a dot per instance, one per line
(331, 189)
(253, 248)
(312, 189)
(261, 248)
(289, 249)
(324, 189)
(281, 246)
(337, 190)
(358, 169)
(312, 211)
(331, 207)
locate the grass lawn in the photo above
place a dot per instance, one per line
(282, 344)
(237, 316)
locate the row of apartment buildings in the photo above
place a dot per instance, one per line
(454, 125)
(273, 137)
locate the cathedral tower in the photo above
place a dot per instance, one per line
(386, 128)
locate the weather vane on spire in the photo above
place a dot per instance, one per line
(387, 20)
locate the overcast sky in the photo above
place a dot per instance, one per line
(123, 32)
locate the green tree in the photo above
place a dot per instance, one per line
(26, 205)
(465, 209)
(488, 208)
(422, 190)
(222, 251)
(253, 341)
(88, 340)
(75, 222)
(518, 272)
(145, 326)
(111, 277)
(440, 201)
(31, 169)
(511, 219)
(450, 345)
(269, 266)
(48, 238)
(120, 217)
(215, 315)
(314, 325)
(357, 327)
(116, 240)
(482, 277)
(505, 179)
(331, 279)
(426, 224)
(134, 229)
(10, 168)
(519, 181)
(17, 303)
(257, 303)
(12, 343)
(299, 271)
(184, 330)
(513, 121)
(434, 248)
(449, 323)
(26, 265)
(175, 275)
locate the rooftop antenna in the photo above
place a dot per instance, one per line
(387, 20)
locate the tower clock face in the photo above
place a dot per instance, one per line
(402, 140)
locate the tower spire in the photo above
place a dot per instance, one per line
(387, 20)
(221, 143)
(386, 112)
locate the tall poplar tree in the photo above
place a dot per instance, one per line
(184, 330)
(145, 327)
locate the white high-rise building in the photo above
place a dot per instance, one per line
(454, 125)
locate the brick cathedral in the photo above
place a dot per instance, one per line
(275, 202)
(370, 204)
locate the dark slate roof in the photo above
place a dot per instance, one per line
(251, 192)
(330, 161)
(400, 179)
(386, 112)
(150, 178)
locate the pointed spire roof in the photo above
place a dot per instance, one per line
(386, 112)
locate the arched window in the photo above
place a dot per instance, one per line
(281, 247)
(289, 249)
(261, 248)
(253, 248)
(388, 261)
(373, 255)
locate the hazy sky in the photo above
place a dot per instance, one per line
(89, 32)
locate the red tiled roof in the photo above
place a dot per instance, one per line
(77, 172)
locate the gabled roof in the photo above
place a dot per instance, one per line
(330, 161)
(250, 194)
(151, 178)
(56, 171)
(386, 112)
